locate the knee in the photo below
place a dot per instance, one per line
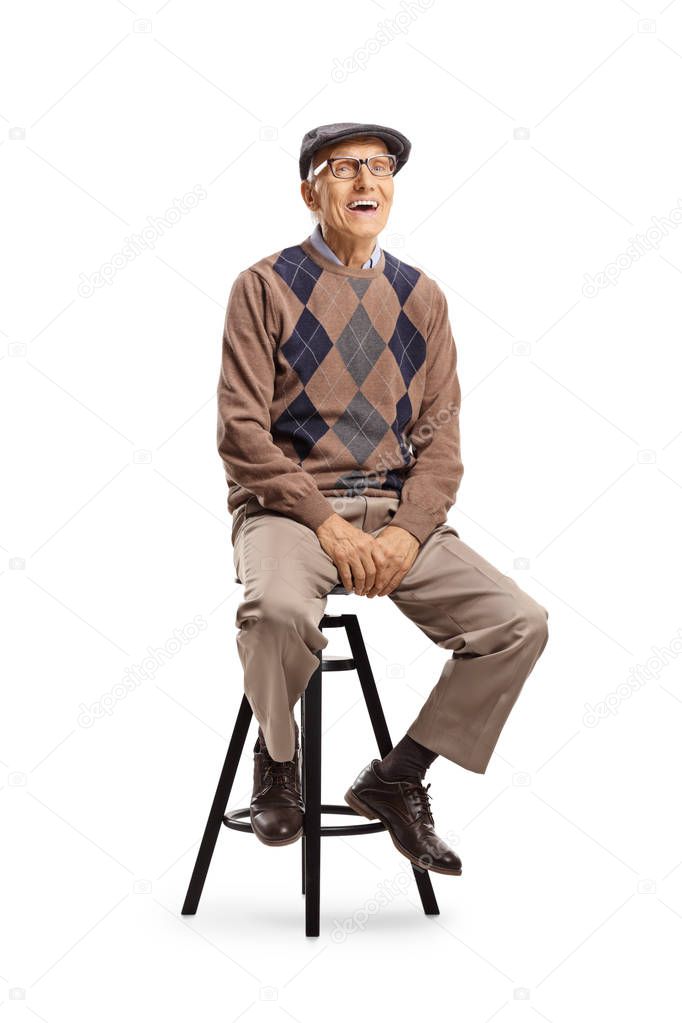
(277, 610)
(274, 610)
(533, 618)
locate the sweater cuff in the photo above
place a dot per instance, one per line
(415, 520)
(313, 510)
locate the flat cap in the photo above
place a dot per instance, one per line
(325, 134)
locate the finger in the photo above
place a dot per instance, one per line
(344, 572)
(370, 571)
(379, 562)
(358, 575)
(392, 582)
(382, 579)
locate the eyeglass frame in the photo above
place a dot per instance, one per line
(330, 159)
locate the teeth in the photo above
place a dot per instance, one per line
(362, 202)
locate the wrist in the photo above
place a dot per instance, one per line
(407, 532)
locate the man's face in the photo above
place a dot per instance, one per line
(330, 196)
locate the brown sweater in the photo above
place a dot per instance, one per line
(338, 381)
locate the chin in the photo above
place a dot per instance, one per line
(371, 227)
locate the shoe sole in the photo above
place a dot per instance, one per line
(361, 808)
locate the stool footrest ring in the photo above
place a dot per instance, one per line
(336, 662)
(232, 820)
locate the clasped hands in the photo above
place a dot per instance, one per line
(370, 566)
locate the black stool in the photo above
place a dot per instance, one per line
(310, 742)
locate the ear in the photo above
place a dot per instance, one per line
(308, 194)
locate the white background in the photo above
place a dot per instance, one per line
(545, 137)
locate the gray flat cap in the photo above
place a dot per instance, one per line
(325, 134)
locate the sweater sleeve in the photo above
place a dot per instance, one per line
(245, 392)
(431, 485)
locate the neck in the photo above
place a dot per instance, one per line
(352, 252)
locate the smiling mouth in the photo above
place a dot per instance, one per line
(364, 208)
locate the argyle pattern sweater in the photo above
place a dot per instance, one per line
(339, 382)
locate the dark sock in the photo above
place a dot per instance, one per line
(407, 759)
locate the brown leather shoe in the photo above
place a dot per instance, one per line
(403, 806)
(277, 802)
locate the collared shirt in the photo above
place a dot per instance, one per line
(320, 244)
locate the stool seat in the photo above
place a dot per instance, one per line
(339, 589)
(311, 754)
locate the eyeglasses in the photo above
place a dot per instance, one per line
(382, 166)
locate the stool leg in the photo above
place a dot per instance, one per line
(302, 705)
(369, 689)
(215, 817)
(311, 738)
(381, 733)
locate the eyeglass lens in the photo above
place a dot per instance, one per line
(348, 167)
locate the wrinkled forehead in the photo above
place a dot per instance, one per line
(361, 145)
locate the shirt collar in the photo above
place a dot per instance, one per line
(316, 239)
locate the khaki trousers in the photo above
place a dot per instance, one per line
(495, 630)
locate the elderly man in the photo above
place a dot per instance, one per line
(338, 427)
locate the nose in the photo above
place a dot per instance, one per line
(364, 176)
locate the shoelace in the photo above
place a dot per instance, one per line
(421, 793)
(279, 776)
(280, 772)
